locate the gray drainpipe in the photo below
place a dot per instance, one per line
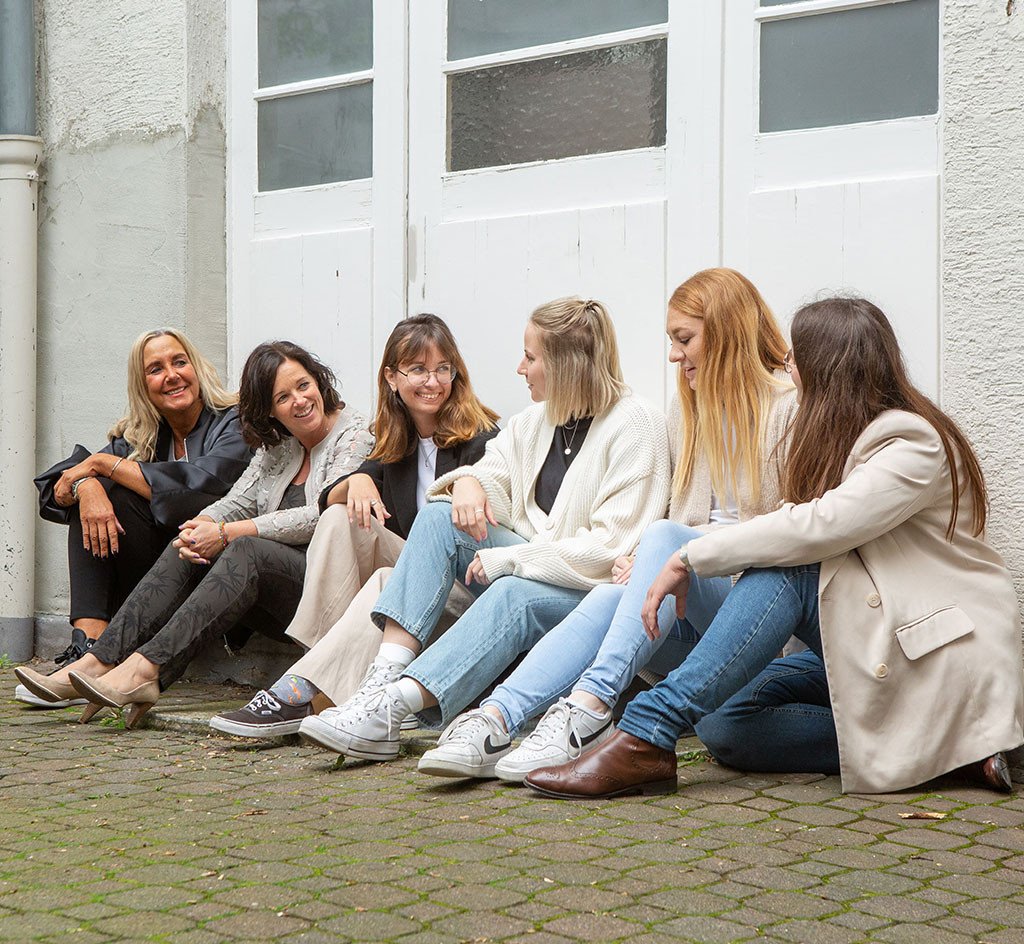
(20, 155)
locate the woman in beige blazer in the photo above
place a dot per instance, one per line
(879, 562)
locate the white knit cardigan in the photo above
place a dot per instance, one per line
(617, 485)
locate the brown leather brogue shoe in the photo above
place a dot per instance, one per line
(622, 766)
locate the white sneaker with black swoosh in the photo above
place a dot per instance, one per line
(469, 747)
(566, 731)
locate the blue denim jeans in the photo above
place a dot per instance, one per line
(764, 609)
(603, 639)
(781, 721)
(507, 618)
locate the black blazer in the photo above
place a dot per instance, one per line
(396, 481)
(217, 456)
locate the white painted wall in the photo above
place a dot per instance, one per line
(983, 250)
(131, 214)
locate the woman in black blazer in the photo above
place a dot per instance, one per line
(178, 449)
(429, 422)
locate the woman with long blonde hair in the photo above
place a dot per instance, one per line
(178, 448)
(734, 405)
(566, 488)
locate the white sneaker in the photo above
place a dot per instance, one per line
(469, 747)
(367, 726)
(22, 694)
(565, 732)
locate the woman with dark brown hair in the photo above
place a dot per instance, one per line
(241, 559)
(429, 422)
(878, 562)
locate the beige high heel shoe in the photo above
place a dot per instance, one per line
(138, 701)
(45, 686)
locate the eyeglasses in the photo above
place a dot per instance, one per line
(418, 376)
(787, 362)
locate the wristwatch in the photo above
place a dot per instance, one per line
(684, 556)
(74, 486)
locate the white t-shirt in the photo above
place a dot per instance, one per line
(725, 511)
(426, 470)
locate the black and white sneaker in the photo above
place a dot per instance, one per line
(469, 747)
(80, 644)
(264, 716)
(566, 731)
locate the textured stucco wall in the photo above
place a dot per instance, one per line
(131, 225)
(983, 249)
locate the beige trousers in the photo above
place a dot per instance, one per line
(333, 618)
(340, 559)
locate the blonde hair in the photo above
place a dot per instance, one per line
(726, 415)
(141, 424)
(581, 358)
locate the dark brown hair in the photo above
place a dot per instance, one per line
(256, 391)
(852, 370)
(461, 417)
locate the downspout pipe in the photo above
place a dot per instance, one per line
(20, 156)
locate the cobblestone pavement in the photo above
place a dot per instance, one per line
(176, 835)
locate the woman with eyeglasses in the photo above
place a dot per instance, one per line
(878, 561)
(428, 423)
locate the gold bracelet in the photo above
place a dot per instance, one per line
(114, 468)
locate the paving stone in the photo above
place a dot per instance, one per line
(104, 833)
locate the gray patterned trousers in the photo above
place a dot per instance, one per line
(178, 607)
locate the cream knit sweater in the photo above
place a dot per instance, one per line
(693, 507)
(616, 486)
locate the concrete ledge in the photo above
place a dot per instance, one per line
(16, 637)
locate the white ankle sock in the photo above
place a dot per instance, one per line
(409, 693)
(395, 654)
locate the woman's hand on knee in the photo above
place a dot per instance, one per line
(674, 580)
(471, 511)
(364, 501)
(199, 540)
(100, 527)
(622, 568)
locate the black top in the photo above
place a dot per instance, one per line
(217, 456)
(565, 446)
(396, 481)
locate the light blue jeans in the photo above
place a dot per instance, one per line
(506, 619)
(601, 645)
(754, 711)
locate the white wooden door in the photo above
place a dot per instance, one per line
(317, 180)
(831, 158)
(541, 162)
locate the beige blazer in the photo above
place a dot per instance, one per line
(921, 636)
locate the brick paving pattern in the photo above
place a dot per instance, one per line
(179, 836)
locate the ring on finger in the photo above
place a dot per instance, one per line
(479, 511)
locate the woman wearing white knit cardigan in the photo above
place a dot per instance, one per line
(729, 353)
(560, 494)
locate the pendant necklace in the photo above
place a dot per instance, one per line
(572, 439)
(429, 454)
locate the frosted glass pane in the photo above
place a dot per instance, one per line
(477, 27)
(859, 65)
(316, 138)
(308, 39)
(584, 103)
